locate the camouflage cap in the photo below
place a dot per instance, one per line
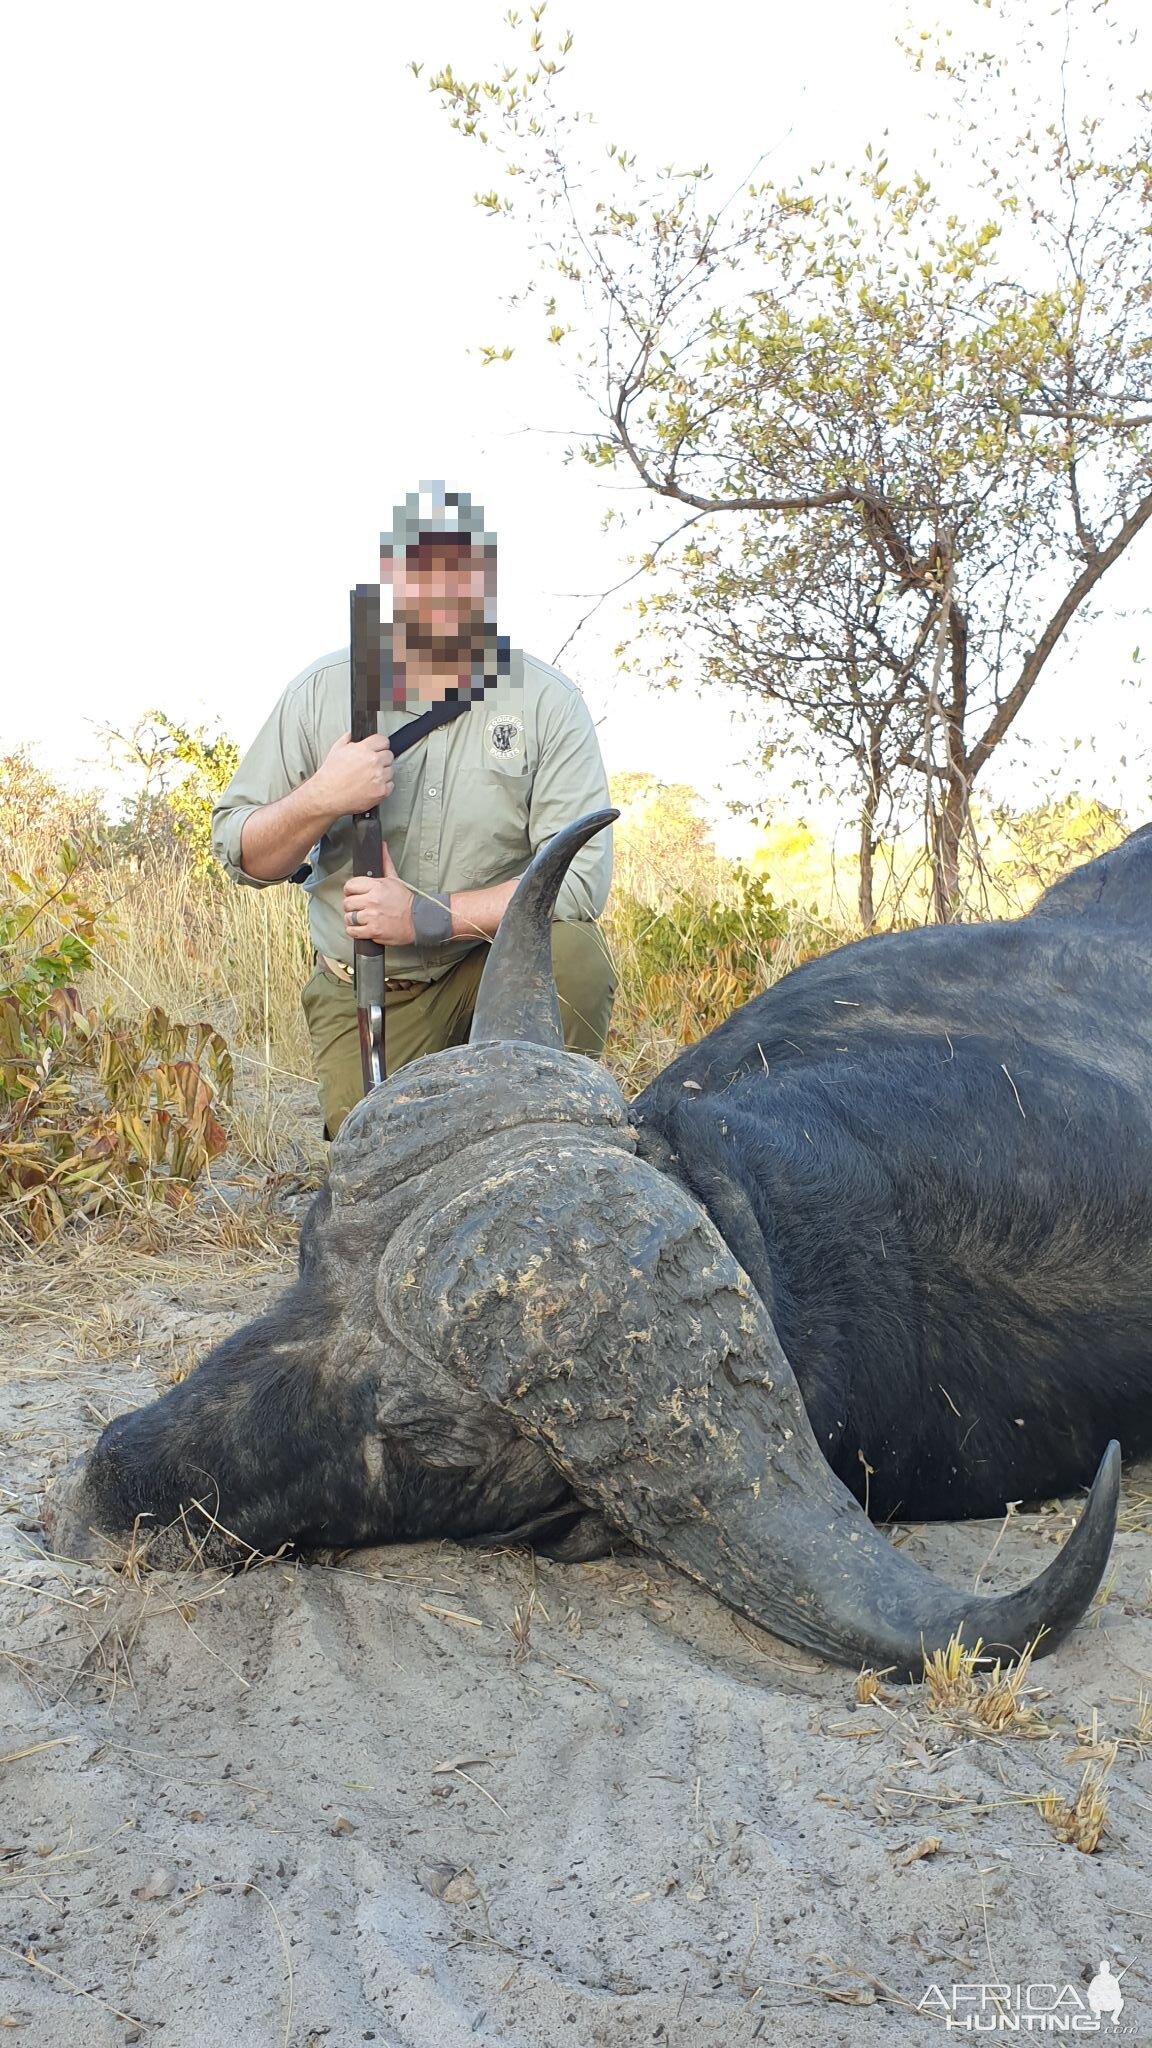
(433, 511)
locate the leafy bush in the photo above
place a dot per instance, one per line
(693, 963)
(95, 1112)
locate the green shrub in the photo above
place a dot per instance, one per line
(689, 965)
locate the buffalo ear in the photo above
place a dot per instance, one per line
(437, 1424)
(587, 1537)
(568, 1535)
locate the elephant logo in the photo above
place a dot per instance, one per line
(504, 740)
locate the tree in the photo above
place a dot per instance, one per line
(1053, 837)
(178, 772)
(663, 846)
(907, 448)
(37, 814)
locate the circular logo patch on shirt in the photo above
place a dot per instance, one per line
(504, 740)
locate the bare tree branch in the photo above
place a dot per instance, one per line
(1053, 633)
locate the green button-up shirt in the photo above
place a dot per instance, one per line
(471, 805)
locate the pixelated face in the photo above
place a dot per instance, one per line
(442, 593)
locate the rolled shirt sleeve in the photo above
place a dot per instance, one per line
(284, 754)
(570, 781)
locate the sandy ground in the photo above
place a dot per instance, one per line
(435, 1799)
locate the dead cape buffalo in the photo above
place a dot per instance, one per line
(895, 1214)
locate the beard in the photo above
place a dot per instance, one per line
(465, 645)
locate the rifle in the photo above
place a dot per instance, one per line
(367, 837)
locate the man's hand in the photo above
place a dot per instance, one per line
(380, 907)
(354, 775)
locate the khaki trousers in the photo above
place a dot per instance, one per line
(428, 1016)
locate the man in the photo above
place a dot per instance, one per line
(463, 811)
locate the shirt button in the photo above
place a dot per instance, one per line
(428, 856)
(431, 792)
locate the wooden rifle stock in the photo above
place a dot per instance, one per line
(367, 836)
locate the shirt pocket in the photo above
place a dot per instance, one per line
(485, 829)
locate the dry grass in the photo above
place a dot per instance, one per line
(960, 1688)
(80, 1279)
(662, 848)
(1140, 1738)
(1135, 1516)
(199, 947)
(1082, 1820)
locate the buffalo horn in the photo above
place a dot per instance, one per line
(517, 994)
(598, 1306)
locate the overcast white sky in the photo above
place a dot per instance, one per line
(243, 276)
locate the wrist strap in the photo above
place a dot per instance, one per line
(431, 920)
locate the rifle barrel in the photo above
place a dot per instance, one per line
(367, 835)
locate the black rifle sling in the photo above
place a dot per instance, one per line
(437, 714)
(406, 737)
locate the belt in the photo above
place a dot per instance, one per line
(341, 971)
